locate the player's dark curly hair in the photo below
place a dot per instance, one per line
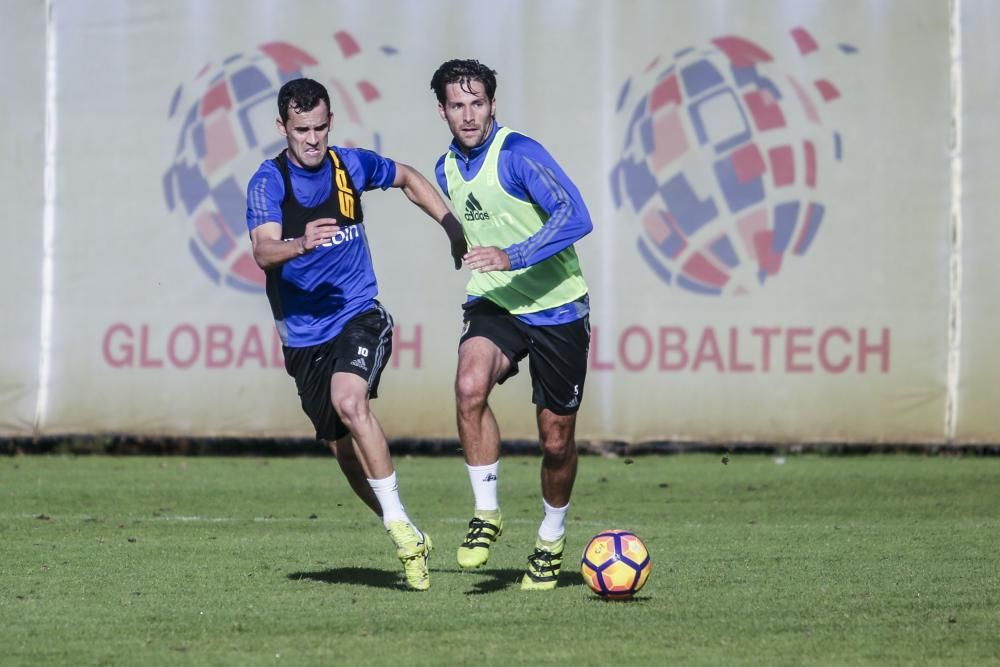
(302, 95)
(462, 72)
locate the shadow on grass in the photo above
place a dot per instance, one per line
(494, 580)
(355, 576)
(487, 581)
(635, 599)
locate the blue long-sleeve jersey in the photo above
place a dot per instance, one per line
(528, 172)
(319, 292)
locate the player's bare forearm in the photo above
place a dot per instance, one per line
(271, 253)
(420, 191)
(270, 250)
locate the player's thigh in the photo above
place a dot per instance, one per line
(481, 364)
(312, 368)
(349, 393)
(490, 346)
(558, 364)
(362, 349)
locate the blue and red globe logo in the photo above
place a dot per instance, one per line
(225, 120)
(720, 163)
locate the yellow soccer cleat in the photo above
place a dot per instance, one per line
(413, 551)
(544, 565)
(483, 532)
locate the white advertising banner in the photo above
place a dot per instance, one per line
(770, 184)
(976, 416)
(773, 164)
(22, 206)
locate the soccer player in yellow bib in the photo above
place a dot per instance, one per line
(527, 298)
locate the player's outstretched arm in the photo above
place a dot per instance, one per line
(420, 191)
(270, 250)
(537, 177)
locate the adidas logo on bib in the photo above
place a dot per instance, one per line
(474, 210)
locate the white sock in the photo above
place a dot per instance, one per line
(387, 492)
(554, 524)
(484, 486)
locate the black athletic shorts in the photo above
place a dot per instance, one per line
(557, 354)
(363, 347)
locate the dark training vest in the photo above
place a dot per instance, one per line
(343, 204)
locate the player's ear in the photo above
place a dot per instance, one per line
(441, 111)
(281, 127)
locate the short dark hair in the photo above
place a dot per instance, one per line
(462, 72)
(302, 95)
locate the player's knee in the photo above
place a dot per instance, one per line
(470, 393)
(558, 447)
(557, 438)
(350, 407)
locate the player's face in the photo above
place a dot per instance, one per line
(307, 133)
(468, 112)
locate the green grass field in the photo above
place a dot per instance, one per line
(875, 560)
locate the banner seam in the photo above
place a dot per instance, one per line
(48, 223)
(955, 229)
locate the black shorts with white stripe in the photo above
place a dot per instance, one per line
(363, 347)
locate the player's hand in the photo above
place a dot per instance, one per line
(489, 258)
(319, 232)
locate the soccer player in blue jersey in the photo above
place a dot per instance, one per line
(307, 228)
(526, 298)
